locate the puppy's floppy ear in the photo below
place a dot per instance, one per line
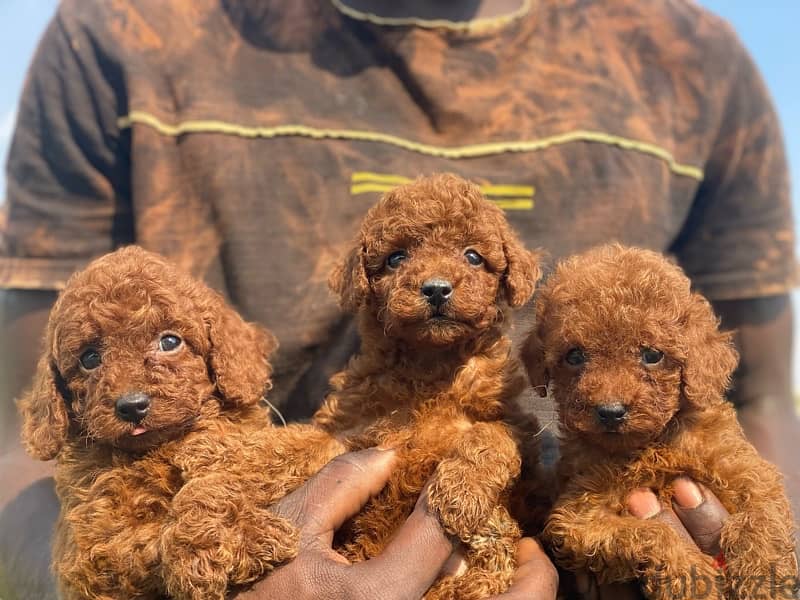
(349, 280)
(522, 270)
(239, 355)
(45, 422)
(710, 356)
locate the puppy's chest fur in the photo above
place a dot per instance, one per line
(393, 406)
(420, 414)
(705, 447)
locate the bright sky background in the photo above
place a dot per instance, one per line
(768, 28)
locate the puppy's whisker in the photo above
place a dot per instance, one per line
(275, 410)
(544, 427)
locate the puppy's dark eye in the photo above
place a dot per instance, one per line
(473, 257)
(651, 357)
(90, 359)
(575, 357)
(395, 258)
(169, 342)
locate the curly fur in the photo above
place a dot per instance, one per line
(439, 386)
(611, 303)
(178, 503)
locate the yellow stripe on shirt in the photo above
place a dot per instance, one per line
(451, 152)
(521, 196)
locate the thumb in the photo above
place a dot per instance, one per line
(337, 492)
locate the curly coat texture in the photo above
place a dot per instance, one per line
(436, 381)
(620, 327)
(175, 503)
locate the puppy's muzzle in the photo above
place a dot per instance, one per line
(611, 416)
(132, 407)
(437, 292)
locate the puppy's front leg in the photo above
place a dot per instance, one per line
(757, 540)
(220, 533)
(467, 485)
(586, 534)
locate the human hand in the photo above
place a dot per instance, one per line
(408, 565)
(696, 514)
(536, 577)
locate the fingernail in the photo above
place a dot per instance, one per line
(687, 494)
(643, 504)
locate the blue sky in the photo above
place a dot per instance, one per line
(768, 29)
(21, 24)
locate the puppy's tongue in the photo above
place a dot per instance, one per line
(138, 430)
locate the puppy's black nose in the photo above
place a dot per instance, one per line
(611, 415)
(437, 291)
(133, 407)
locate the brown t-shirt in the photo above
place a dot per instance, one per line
(246, 138)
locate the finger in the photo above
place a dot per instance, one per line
(456, 564)
(413, 559)
(536, 577)
(669, 517)
(701, 513)
(321, 505)
(642, 503)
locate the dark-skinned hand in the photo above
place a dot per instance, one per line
(409, 564)
(695, 513)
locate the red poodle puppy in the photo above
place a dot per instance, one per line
(432, 276)
(148, 395)
(638, 368)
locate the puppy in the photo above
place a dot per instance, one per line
(638, 368)
(148, 395)
(432, 276)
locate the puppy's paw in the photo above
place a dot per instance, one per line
(476, 583)
(759, 556)
(490, 562)
(266, 541)
(215, 540)
(462, 501)
(204, 563)
(668, 567)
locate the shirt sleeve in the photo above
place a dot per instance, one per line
(738, 240)
(68, 194)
